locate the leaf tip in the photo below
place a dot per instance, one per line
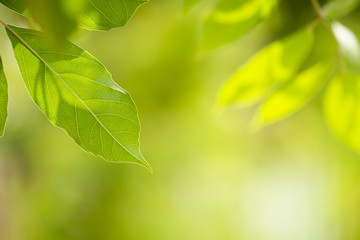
(147, 166)
(142, 162)
(150, 169)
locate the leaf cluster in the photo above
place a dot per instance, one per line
(278, 79)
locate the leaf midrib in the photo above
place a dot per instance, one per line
(77, 96)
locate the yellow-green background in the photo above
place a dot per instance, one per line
(213, 178)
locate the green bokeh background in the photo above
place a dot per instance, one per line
(213, 177)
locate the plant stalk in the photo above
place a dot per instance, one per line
(327, 24)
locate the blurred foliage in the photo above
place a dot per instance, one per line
(54, 16)
(269, 75)
(336, 9)
(341, 107)
(232, 18)
(294, 94)
(213, 179)
(274, 65)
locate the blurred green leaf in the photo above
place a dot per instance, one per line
(232, 18)
(3, 99)
(294, 94)
(105, 15)
(348, 43)
(77, 93)
(54, 17)
(341, 108)
(17, 5)
(274, 64)
(339, 8)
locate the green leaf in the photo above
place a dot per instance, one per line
(54, 16)
(339, 8)
(3, 99)
(273, 65)
(294, 94)
(341, 108)
(91, 14)
(77, 93)
(105, 15)
(233, 18)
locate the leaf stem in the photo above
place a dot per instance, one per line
(22, 41)
(321, 16)
(3, 23)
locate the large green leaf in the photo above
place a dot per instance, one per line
(91, 14)
(232, 18)
(275, 64)
(3, 99)
(341, 108)
(77, 93)
(293, 95)
(55, 17)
